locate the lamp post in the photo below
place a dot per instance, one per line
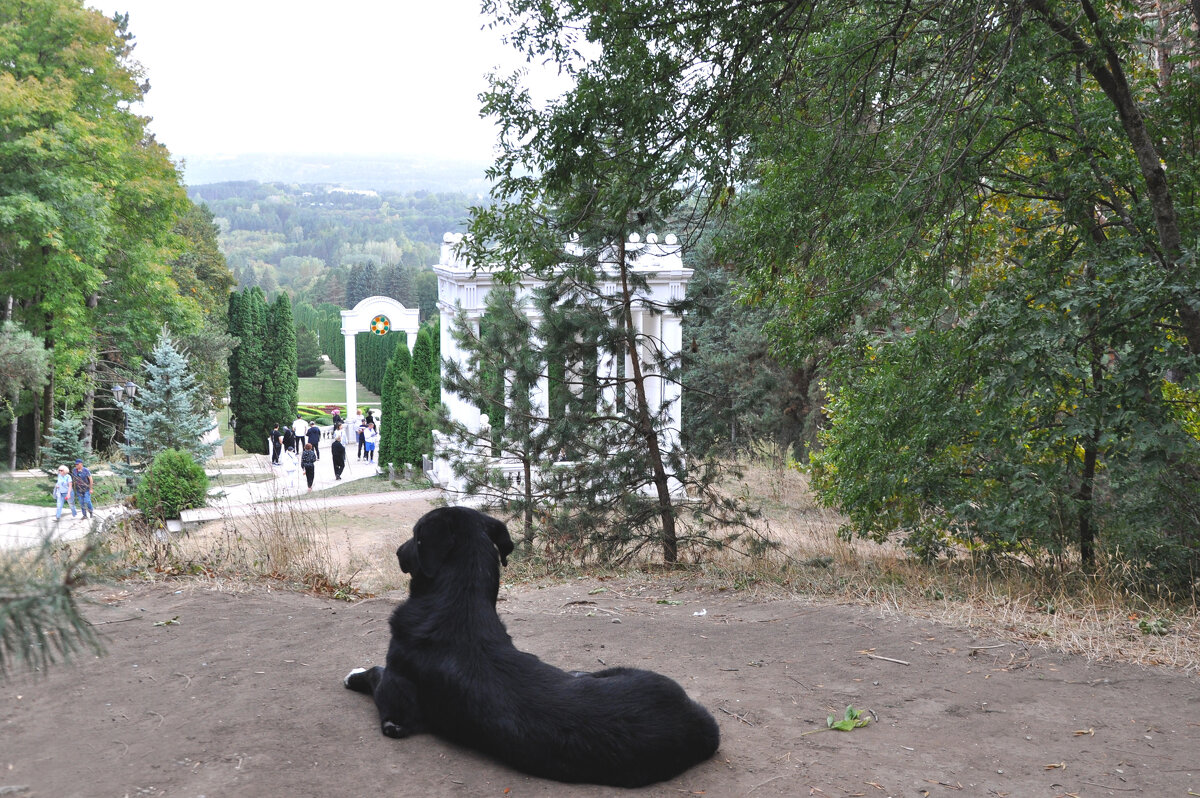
(129, 389)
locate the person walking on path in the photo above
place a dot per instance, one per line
(359, 429)
(276, 444)
(370, 438)
(314, 437)
(81, 488)
(299, 427)
(338, 447)
(289, 440)
(308, 461)
(62, 492)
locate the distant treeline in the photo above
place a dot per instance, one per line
(308, 239)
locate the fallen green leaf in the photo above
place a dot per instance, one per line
(851, 719)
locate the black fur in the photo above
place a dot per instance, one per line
(453, 670)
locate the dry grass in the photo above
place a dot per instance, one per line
(348, 553)
(1060, 611)
(276, 544)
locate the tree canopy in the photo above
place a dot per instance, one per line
(976, 218)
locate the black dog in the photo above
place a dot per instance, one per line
(452, 669)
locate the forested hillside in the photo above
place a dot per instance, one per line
(314, 241)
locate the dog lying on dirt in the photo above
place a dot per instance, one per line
(453, 670)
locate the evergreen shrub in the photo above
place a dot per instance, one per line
(174, 482)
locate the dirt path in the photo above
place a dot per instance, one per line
(206, 693)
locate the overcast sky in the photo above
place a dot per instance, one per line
(369, 77)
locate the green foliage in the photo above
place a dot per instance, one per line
(363, 282)
(307, 239)
(174, 482)
(851, 719)
(326, 322)
(40, 621)
(64, 445)
(248, 368)
(395, 429)
(424, 377)
(974, 223)
(280, 385)
(308, 352)
(168, 412)
(737, 393)
(24, 362)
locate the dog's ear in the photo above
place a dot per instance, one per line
(433, 546)
(498, 532)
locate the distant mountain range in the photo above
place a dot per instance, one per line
(381, 173)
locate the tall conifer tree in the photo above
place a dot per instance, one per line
(281, 385)
(422, 420)
(247, 373)
(395, 433)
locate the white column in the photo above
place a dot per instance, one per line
(672, 341)
(351, 375)
(539, 396)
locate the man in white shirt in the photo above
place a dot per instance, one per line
(300, 426)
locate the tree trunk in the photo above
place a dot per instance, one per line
(528, 503)
(12, 434)
(666, 510)
(89, 398)
(1104, 64)
(1087, 533)
(89, 412)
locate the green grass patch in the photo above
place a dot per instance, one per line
(379, 484)
(38, 491)
(329, 388)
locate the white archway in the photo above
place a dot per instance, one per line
(379, 314)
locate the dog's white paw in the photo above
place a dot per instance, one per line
(352, 674)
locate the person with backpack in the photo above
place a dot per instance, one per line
(81, 489)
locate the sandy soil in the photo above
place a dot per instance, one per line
(209, 693)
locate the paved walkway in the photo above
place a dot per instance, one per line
(23, 525)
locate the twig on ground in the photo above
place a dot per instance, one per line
(889, 659)
(739, 717)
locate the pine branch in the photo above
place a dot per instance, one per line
(40, 622)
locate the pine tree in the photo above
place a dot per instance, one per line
(40, 621)
(281, 386)
(64, 444)
(167, 414)
(308, 352)
(502, 369)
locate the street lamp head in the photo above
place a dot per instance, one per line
(130, 389)
(118, 390)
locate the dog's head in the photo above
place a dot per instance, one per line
(457, 531)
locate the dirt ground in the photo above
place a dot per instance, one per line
(204, 691)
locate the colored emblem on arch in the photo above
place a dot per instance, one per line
(381, 325)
